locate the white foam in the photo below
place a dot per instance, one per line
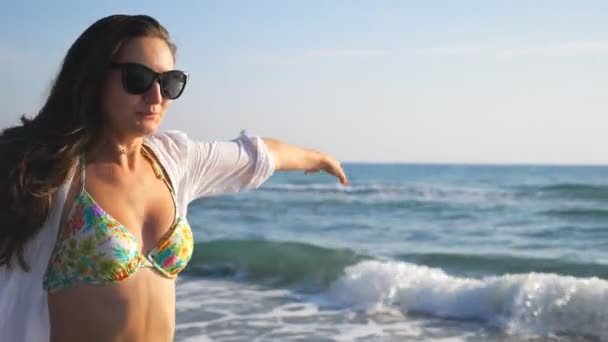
(440, 193)
(197, 339)
(526, 304)
(230, 311)
(376, 300)
(329, 187)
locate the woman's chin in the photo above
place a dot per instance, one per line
(149, 130)
(147, 127)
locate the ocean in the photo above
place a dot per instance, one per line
(407, 252)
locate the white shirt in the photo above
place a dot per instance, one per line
(195, 169)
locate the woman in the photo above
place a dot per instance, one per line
(93, 227)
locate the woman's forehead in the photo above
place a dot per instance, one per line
(152, 52)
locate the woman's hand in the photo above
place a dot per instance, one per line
(293, 158)
(331, 166)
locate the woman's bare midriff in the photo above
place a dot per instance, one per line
(139, 308)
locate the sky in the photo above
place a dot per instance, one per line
(489, 82)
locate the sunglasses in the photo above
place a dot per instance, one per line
(138, 78)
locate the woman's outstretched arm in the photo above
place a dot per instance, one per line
(293, 158)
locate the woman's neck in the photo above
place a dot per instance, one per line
(125, 152)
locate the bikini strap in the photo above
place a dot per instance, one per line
(160, 174)
(158, 170)
(83, 169)
(169, 186)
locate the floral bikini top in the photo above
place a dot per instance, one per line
(94, 248)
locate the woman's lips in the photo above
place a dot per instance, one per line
(147, 113)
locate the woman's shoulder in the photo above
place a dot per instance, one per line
(171, 150)
(176, 146)
(170, 140)
(171, 146)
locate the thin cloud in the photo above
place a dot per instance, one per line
(452, 50)
(312, 55)
(347, 53)
(573, 48)
(563, 49)
(265, 59)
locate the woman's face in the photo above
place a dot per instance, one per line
(136, 115)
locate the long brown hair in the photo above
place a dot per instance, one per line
(39, 153)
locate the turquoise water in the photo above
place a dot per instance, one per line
(406, 252)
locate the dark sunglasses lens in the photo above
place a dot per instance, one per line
(137, 78)
(173, 83)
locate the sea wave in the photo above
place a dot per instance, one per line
(524, 296)
(580, 191)
(523, 304)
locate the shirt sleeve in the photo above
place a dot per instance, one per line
(210, 168)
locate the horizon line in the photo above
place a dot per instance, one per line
(470, 163)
